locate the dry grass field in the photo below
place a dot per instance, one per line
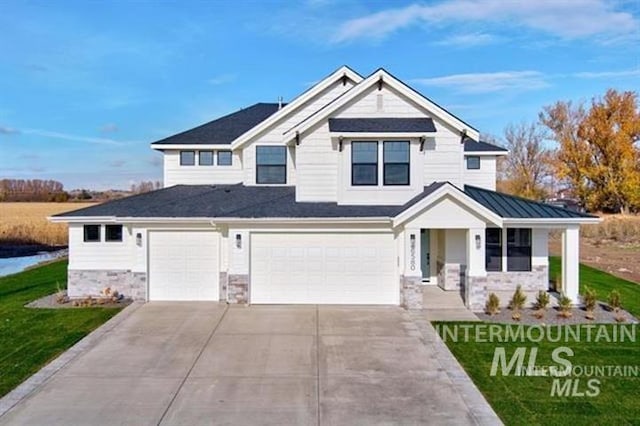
(26, 223)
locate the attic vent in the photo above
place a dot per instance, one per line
(379, 103)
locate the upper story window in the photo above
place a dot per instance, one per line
(205, 158)
(518, 249)
(396, 163)
(113, 233)
(91, 233)
(224, 158)
(473, 162)
(187, 158)
(364, 163)
(271, 164)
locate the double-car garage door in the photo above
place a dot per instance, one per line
(323, 268)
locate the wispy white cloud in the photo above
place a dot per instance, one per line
(221, 79)
(74, 138)
(109, 128)
(608, 74)
(4, 130)
(487, 82)
(468, 40)
(567, 19)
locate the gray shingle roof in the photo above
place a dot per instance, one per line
(471, 145)
(236, 201)
(509, 206)
(390, 125)
(224, 129)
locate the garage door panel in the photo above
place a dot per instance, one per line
(323, 268)
(183, 265)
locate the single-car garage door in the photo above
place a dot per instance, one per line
(183, 265)
(323, 268)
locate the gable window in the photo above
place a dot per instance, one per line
(205, 158)
(396, 163)
(224, 158)
(364, 163)
(113, 233)
(271, 164)
(473, 162)
(518, 249)
(187, 158)
(91, 233)
(493, 249)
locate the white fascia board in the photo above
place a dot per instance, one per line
(455, 193)
(554, 222)
(164, 147)
(485, 153)
(397, 85)
(210, 220)
(81, 219)
(353, 135)
(343, 71)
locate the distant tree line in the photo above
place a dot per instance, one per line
(32, 190)
(594, 155)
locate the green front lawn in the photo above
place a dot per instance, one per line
(30, 338)
(528, 400)
(603, 283)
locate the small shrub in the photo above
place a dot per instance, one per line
(518, 299)
(614, 300)
(539, 313)
(492, 307)
(61, 295)
(565, 306)
(516, 316)
(590, 299)
(542, 300)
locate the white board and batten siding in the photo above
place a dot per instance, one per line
(328, 268)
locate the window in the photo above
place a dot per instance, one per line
(113, 232)
(396, 163)
(473, 162)
(187, 158)
(224, 158)
(364, 163)
(493, 249)
(205, 158)
(518, 249)
(91, 233)
(271, 164)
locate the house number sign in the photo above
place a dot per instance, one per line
(412, 252)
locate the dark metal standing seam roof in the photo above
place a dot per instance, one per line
(390, 125)
(224, 130)
(509, 206)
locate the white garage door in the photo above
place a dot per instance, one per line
(324, 268)
(183, 265)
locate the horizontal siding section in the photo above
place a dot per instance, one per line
(317, 162)
(175, 174)
(485, 177)
(100, 255)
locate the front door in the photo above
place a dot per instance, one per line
(425, 254)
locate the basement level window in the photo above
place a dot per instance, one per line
(113, 232)
(91, 233)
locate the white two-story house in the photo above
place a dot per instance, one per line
(359, 191)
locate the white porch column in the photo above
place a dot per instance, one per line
(571, 262)
(412, 253)
(476, 252)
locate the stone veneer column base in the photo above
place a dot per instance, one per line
(411, 292)
(475, 293)
(238, 288)
(451, 276)
(84, 283)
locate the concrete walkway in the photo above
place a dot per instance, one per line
(207, 363)
(440, 305)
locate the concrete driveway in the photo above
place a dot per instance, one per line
(207, 363)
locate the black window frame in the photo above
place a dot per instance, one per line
(475, 157)
(200, 163)
(385, 162)
(353, 164)
(85, 233)
(230, 158)
(515, 250)
(491, 249)
(182, 163)
(107, 237)
(262, 166)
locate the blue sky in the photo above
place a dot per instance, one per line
(86, 86)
